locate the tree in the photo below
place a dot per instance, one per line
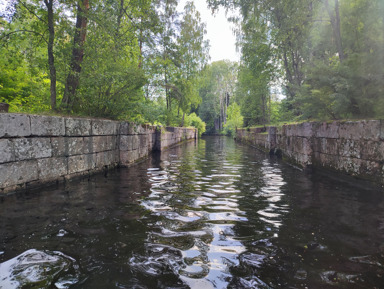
(216, 90)
(72, 82)
(235, 119)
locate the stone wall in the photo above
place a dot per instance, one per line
(36, 150)
(355, 148)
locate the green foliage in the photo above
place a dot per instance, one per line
(216, 89)
(235, 119)
(328, 55)
(195, 121)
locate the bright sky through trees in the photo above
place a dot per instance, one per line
(219, 32)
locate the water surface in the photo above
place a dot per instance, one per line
(206, 214)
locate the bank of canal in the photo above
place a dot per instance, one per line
(206, 214)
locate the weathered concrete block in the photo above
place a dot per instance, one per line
(371, 170)
(88, 145)
(59, 146)
(305, 129)
(126, 142)
(349, 165)
(371, 150)
(14, 125)
(306, 144)
(77, 127)
(127, 128)
(349, 148)
(7, 153)
(47, 125)
(99, 144)
(143, 141)
(303, 159)
(328, 161)
(112, 142)
(32, 148)
(81, 163)
(77, 164)
(382, 130)
(317, 144)
(331, 146)
(363, 129)
(326, 130)
(106, 158)
(128, 157)
(74, 146)
(52, 168)
(105, 127)
(135, 142)
(18, 173)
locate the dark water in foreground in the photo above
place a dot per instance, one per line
(212, 214)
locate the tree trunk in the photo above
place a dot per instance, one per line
(77, 54)
(51, 58)
(335, 21)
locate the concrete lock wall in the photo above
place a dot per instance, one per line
(355, 148)
(35, 149)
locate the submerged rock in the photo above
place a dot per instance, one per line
(38, 269)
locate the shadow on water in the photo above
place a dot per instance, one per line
(206, 214)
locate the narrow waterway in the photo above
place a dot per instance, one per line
(206, 214)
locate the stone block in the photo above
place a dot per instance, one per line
(77, 127)
(88, 145)
(77, 164)
(81, 163)
(59, 146)
(111, 142)
(371, 150)
(14, 125)
(128, 157)
(91, 161)
(16, 173)
(105, 127)
(329, 161)
(74, 146)
(371, 169)
(364, 129)
(99, 144)
(349, 148)
(127, 128)
(143, 141)
(32, 148)
(306, 146)
(103, 159)
(317, 144)
(52, 168)
(326, 130)
(126, 142)
(349, 165)
(304, 129)
(331, 146)
(135, 142)
(381, 130)
(7, 153)
(47, 125)
(303, 159)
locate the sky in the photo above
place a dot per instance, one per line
(219, 32)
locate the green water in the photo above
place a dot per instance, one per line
(210, 214)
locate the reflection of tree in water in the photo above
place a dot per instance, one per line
(264, 203)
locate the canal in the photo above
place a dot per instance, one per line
(206, 214)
